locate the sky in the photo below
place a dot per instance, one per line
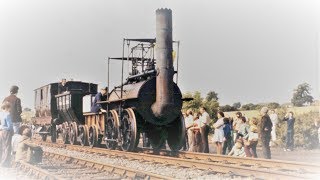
(248, 51)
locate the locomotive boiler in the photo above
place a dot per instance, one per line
(148, 101)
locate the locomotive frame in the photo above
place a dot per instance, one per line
(149, 101)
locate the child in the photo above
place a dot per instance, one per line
(227, 144)
(237, 150)
(251, 139)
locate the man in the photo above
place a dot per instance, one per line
(62, 87)
(101, 96)
(189, 124)
(236, 125)
(204, 128)
(16, 109)
(265, 130)
(290, 131)
(274, 120)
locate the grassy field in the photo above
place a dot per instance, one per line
(295, 110)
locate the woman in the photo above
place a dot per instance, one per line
(197, 141)
(6, 132)
(243, 128)
(218, 136)
(290, 131)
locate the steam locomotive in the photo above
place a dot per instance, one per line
(148, 101)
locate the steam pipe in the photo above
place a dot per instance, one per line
(165, 71)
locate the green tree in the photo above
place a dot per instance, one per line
(301, 95)
(236, 105)
(212, 96)
(227, 108)
(273, 105)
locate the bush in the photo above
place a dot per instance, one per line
(305, 132)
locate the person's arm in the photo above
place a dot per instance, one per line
(231, 152)
(7, 124)
(19, 108)
(218, 124)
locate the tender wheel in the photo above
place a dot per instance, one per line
(128, 131)
(83, 135)
(65, 133)
(112, 129)
(176, 134)
(93, 136)
(73, 133)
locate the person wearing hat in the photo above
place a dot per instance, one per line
(265, 130)
(16, 109)
(101, 96)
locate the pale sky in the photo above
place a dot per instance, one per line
(245, 50)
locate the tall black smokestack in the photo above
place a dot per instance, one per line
(165, 71)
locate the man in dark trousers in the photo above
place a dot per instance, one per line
(101, 96)
(204, 128)
(16, 109)
(265, 130)
(62, 87)
(290, 131)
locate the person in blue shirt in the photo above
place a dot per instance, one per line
(6, 132)
(227, 129)
(290, 131)
(101, 96)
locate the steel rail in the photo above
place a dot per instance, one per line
(226, 164)
(267, 163)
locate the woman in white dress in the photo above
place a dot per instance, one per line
(218, 136)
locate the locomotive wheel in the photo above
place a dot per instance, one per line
(176, 134)
(128, 130)
(93, 136)
(65, 133)
(112, 125)
(83, 135)
(157, 137)
(53, 132)
(73, 133)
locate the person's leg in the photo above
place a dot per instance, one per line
(247, 150)
(265, 145)
(291, 140)
(254, 149)
(16, 127)
(224, 147)
(204, 136)
(268, 147)
(6, 144)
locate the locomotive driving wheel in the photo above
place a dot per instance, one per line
(93, 136)
(112, 125)
(157, 137)
(83, 135)
(73, 133)
(65, 133)
(128, 130)
(176, 134)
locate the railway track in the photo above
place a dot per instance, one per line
(233, 166)
(57, 166)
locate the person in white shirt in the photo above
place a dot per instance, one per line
(274, 119)
(189, 124)
(204, 121)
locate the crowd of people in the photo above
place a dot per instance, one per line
(237, 136)
(13, 136)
